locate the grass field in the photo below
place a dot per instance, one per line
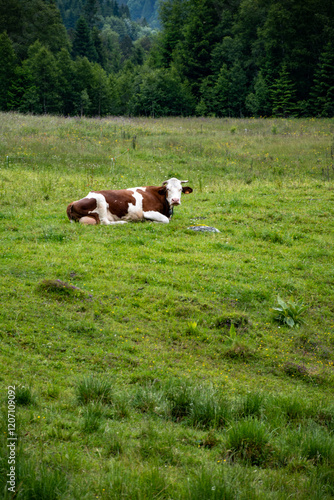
(147, 361)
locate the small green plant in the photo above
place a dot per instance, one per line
(180, 397)
(232, 335)
(249, 440)
(24, 396)
(289, 313)
(92, 417)
(147, 399)
(318, 446)
(40, 481)
(93, 389)
(251, 405)
(192, 327)
(233, 130)
(115, 446)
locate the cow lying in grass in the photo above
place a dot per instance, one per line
(107, 207)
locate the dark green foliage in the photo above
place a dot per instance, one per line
(82, 42)
(161, 93)
(322, 94)
(27, 21)
(7, 69)
(23, 396)
(245, 58)
(283, 95)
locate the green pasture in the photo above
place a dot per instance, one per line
(150, 361)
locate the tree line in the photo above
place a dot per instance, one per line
(210, 58)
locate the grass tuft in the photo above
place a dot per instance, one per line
(94, 390)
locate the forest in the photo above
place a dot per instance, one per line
(223, 58)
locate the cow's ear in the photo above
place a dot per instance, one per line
(162, 190)
(187, 190)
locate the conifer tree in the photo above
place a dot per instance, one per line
(258, 102)
(283, 94)
(322, 94)
(65, 75)
(7, 69)
(223, 93)
(83, 44)
(42, 73)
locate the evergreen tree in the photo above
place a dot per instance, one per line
(65, 76)
(283, 95)
(207, 104)
(89, 12)
(83, 45)
(258, 103)
(110, 41)
(238, 90)
(83, 81)
(7, 69)
(322, 94)
(100, 91)
(29, 20)
(160, 92)
(173, 14)
(222, 91)
(84, 102)
(41, 70)
(194, 55)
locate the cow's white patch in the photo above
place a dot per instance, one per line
(102, 209)
(155, 216)
(135, 211)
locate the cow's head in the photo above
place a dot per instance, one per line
(173, 189)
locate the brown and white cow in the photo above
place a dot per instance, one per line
(153, 203)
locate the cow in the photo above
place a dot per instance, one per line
(154, 203)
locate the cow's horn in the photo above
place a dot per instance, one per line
(182, 182)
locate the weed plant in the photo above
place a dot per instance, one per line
(146, 359)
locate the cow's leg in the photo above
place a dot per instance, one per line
(155, 217)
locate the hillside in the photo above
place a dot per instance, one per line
(138, 10)
(153, 361)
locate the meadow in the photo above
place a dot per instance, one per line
(153, 361)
